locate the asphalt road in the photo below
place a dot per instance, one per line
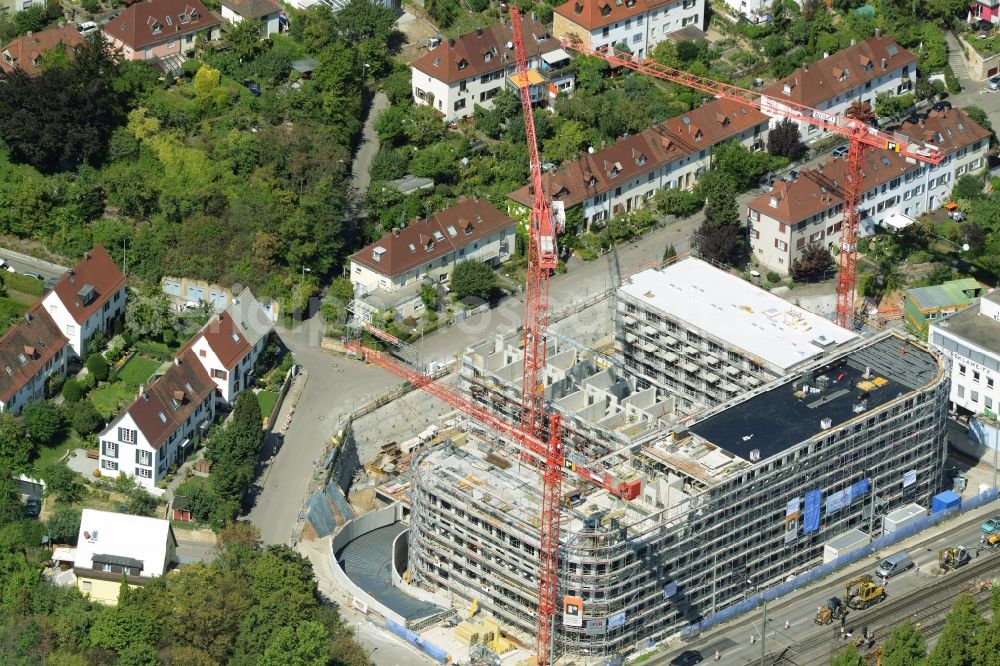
(22, 263)
(733, 640)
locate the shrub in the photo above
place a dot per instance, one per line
(72, 391)
(773, 277)
(97, 365)
(43, 421)
(951, 81)
(83, 417)
(56, 382)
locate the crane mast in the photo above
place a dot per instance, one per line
(542, 260)
(860, 135)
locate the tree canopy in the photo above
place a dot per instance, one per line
(473, 279)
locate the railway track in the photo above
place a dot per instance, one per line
(925, 608)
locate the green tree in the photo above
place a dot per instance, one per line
(98, 366)
(814, 263)
(905, 646)
(15, 449)
(473, 279)
(305, 644)
(31, 19)
(987, 652)
(42, 422)
(72, 390)
(64, 525)
(206, 80)
(849, 655)
(62, 482)
(567, 142)
(784, 141)
(429, 297)
(243, 41)
(388, 164)
(968, 187)
(123, 628)
(669, 252)
(979, 116)
(362, 19)
(677, 202)
(82, 416)
(960, 635)
(591, 74)
(141, 503)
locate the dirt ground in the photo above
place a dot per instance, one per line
(417, 30)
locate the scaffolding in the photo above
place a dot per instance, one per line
(710, 514)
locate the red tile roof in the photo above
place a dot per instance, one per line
(253, 8)
(35, 339)
(225, 339)
(594, 14)
(24, 51)
(88, 285)
(136, 25)
(840, 72)
(169, 400)
(639, 154)
(816, 190)
(443, 232)
(455, 59)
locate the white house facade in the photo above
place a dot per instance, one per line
(809, 210)
(162, 426)
(638, 24)
(87, 299)
(266, 12)
(460, 73)
(971, 339)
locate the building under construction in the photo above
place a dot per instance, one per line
(749, 490)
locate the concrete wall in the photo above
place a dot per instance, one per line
(348, 533)
(400, 562)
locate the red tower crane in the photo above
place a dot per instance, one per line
(860, 135)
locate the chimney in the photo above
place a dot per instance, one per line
(451, 42)
(479, 32)
(27, 317)
(179, 396)
(805, 67)
(86, 255)
(395, 232)
(884, 63)
(878, 32)
(142, 392)
(177, 360)
(826, 54)
(853, 41)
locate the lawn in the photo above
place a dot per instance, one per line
(10, 312)
(266, 400)
(137, 370)
(23, 284)
(110, 398)
(49, 455)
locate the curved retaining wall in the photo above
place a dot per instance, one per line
(400, 562)
(348, 533)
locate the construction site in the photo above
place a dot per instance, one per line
(592, 495)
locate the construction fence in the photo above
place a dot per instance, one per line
(414, 639)
(813, 575)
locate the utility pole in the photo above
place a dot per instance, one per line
(763, 632)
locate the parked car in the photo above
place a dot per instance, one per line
(87, 28)
(992, 525)
(37, 276)
(840, 151)
(994, 83)
(687, 658)
(943, 105)
(32, 507)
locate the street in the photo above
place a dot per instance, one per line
(23, 263)
(798, 609)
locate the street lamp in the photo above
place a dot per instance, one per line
(763, 622)
(364, 66)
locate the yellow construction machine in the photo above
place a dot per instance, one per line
(833, 610)
(953, 557)
(862, 592)
(993, 540)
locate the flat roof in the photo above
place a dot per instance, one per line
(974, 327)
(778, 419)
(730, 308)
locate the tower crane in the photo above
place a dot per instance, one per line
(861, 136)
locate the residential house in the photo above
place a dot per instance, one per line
(166, 30)
(230, 343)
(111, 545)
(809, 209)
(460, 73)
(26, 52)
(620, 177)
(163, 424)
(637, 24)
(831, 84)
(753, 11)
(267, 12)
(87, 299)
(971, 339)
(428, 249)
(32, 350)
(985, 10)
(924, 305)
(10, 7)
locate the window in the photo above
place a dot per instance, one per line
(143, 457)
(126, 435)
(974, 396)
(988, 402)
(218, 374)
(86, 586)
(109, 464)
(780, 244)
(961, 370)
(989, 382)
(145, 472)
(105, 566)
(460, 104)
(960, 391)
(110, 449)
(975, 375)
(636, 38)
(70, 329)
(170, 45)
(604, 31)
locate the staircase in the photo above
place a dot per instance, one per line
(956, 57)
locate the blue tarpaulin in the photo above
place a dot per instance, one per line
(814, 500)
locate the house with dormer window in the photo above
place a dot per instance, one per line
(831, 84)
(166, 30)
(470, 70)
(428, 249)
(87, 299)
(163, 425)
(638, 24)
(623, 176)
(32, 350)
(25, 52)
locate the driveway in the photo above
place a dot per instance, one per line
(368, 147)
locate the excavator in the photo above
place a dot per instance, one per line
(993, 540)
(833, 610)
(862, 592)
(953, 557)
